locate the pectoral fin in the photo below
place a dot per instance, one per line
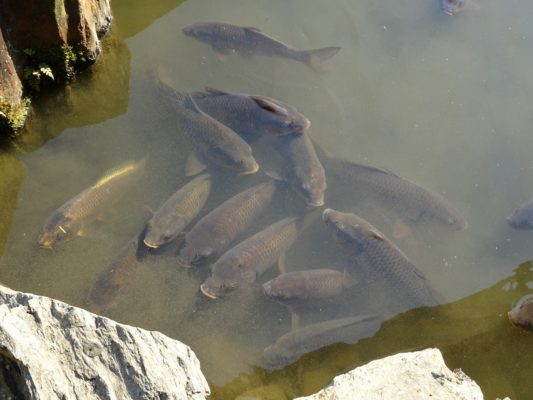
(401, 229)
(282, 267)
(193, 165)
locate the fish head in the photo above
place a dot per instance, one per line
(163, 233)
(350, 230)
(190, 255)
(522, 217)
(522, 313)
(452, 7)
(448, 215)
(216, 287)
(275, 358)
(226, 275)
(55, 230)
(205, 31)
(312, 189)
(277, 118)
(239, 158)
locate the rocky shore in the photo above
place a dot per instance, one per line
(50, 349)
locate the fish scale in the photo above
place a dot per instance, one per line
(251, 258)
(177, 212)
(412, 201)
(215, 231)
(377, 258)
(226, 38)
(308, 284)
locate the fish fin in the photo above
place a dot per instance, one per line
(282, 267)
(191, 105)
(194, 165)
(222, 57)
(401, 229)
(375, 234)
(121, 169)
(215, 92)
(167, 86)
(295, 319)
(274, 175)
(149, 209)
(252, 28)
(182, 263)
(348, 280)
(269, 105)
(316, 57)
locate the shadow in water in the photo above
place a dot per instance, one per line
(474, 334)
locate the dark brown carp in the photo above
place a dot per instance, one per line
(215, 231)
(294, 344)
(225, 39)
(251, 258)
(522, 217)
(72, 217)
(307, 285)
(213, 143)
(452, 7)
(374, 254)
(119, 273)
(177, 212)
(411, 201)
(303, 169)
(250, 116)
(522, 313)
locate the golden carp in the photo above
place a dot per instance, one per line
(69, 219)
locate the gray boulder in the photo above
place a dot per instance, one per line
(420, 375)
(56, 351)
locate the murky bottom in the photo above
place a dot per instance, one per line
(442, 101)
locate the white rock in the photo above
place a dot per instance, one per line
(420, 375)
(64, 352)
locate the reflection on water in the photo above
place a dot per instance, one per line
(442, 101)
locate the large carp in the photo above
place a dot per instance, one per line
(226, 38)
(72, 217)
(215, 231)
(251, 258)
(376, 256)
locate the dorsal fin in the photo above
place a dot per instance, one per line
(190, 104)
(215, 92)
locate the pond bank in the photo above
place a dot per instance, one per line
(52, 349)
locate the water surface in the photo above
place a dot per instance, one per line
(444, 101)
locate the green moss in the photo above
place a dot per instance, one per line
(12, 117)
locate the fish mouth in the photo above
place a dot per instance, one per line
(150, 244)
(44, 244)
(325, 214)
(182, 262)
(317, 203)
(206, 291)
(254, 169)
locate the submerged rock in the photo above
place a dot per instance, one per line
(42, 42)
(410, 376)
(63, 352)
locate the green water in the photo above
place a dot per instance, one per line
(442, 101)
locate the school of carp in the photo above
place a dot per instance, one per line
(224, 130)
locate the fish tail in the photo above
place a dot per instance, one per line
(166, 87)
(314, 58)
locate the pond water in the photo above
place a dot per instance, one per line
(443, 101)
